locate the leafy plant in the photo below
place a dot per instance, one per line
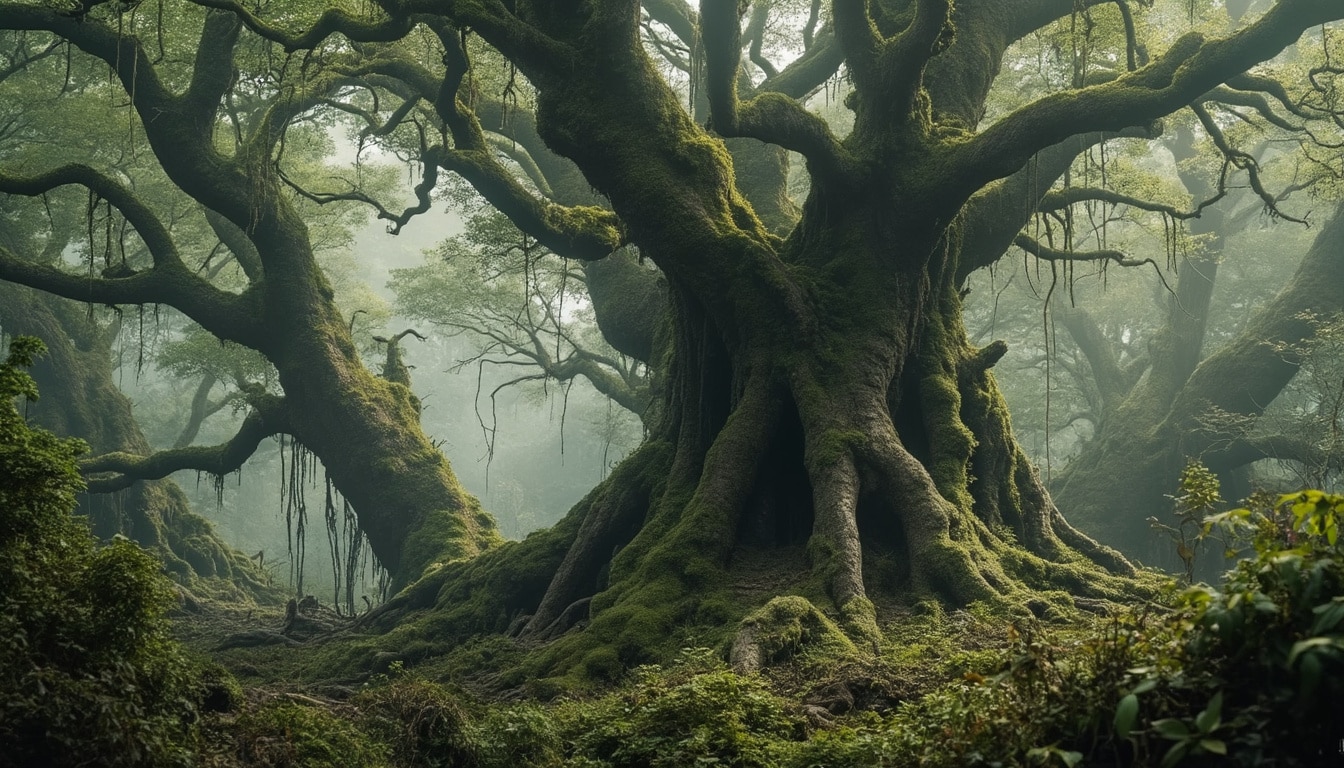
(694, 713)
(89, 670)
(1195, 503)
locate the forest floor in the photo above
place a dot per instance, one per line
(282, 664)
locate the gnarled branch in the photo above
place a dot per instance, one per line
(115, 471)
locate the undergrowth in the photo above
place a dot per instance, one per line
(1244, 673)
(89, 671)
(1239, 674)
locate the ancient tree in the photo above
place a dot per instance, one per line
(821, 405)
(821, 396)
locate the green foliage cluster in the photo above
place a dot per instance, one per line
(1272, 635)
(89, 672)
(289, 734)
(1242, 674)
(695, 712)
(422, 723)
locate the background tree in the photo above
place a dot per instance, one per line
(211, 145)
(1131, 373)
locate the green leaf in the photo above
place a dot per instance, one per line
(1309, 675)
(1213, 746)
(1302, 646)
(1328, 616)
(1208, 720)
(1125, 715)
(1171, 728)
(1145, 686)
(1177, 753)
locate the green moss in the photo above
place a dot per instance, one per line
(286, 734)
(951, 442)
(422, 723)
(218, 690)
(789, 625)
(438, 539)
(603, 664)
(834, 444)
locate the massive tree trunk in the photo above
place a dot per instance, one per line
(1184, 409)
(827, 428)
(828, 431)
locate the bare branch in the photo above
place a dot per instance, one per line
(755, 34)
(1243, 161)
(1257, 101)
(202, 408)
(858, 36)
(580, 232)
(238, 243)
(996, 214)
(1042, 251)
(169, 281)
(770, 117)
(1058, 199)
(333, 21)
(1240, 451)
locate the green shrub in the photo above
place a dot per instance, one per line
(421, 721)
(696, 712)
(1244, 674)
(520, 735)
(286, 734)
(89, 673)
(1269, 643)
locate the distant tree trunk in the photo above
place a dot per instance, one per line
(1125, 474)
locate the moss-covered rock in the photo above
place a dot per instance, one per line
(784, 627)
(283, 733)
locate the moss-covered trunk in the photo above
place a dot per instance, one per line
(852, 448)
(827, 430)
(365, 431)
